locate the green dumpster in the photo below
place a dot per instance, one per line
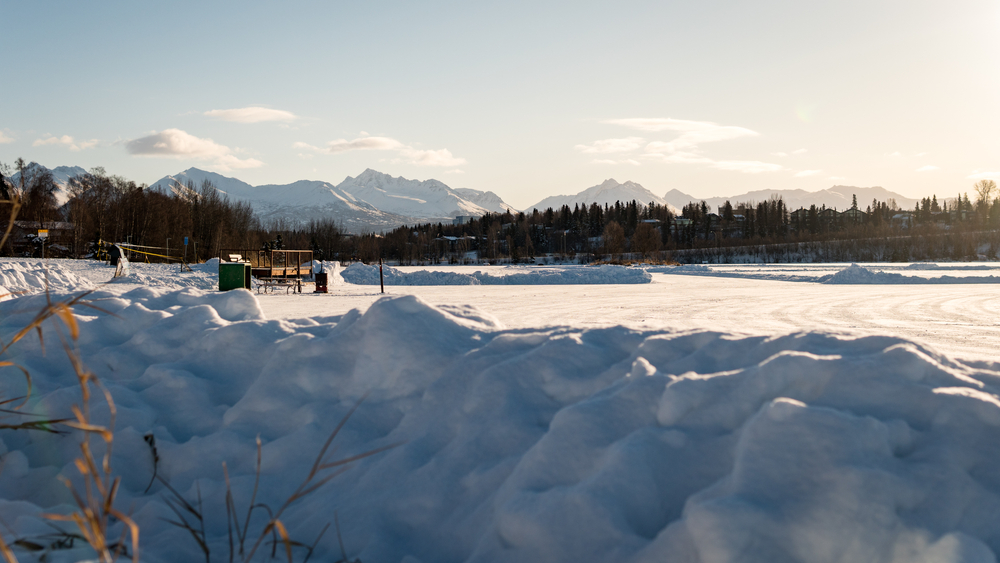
(234, 275)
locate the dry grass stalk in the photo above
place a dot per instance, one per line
(191, 518)
(100, 487)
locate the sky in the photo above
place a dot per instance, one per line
(526, 99)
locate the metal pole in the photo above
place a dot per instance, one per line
(381, 281)
(168, 249)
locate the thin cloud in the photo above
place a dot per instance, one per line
(364, 144)
(607, 146)
(440, 157)
(66, 141)
(684, 149)
(410, 155)
(928, 168)
(793, 153)
(612, 161)
(977, 175)
(174, 143)
(455, 171)
(807, 173)
(4, 139)
(747, 166)
(251, 115)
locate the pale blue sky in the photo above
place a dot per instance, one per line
(527, 99)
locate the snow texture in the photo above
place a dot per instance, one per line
(362, 274)
(558, 444)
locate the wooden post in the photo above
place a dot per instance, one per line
(381, 281)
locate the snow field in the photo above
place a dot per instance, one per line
(527, 444)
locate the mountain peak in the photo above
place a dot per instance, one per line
(605, 193)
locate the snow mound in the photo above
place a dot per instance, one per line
(855, 274)
(564, 445)
(33, 276)
(361, 274)
(201, 276)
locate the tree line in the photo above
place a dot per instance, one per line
(101, 207)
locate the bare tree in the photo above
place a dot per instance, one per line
(614, 239)
(646, 240)
(984, 190)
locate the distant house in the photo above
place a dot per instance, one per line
(24, 239)
(829, 217)
(853, 216)
(903, 220)
(462, 219)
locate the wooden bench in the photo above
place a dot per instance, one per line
(265, 285)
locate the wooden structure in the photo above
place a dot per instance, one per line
(273, 264)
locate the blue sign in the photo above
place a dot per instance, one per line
(185, 241)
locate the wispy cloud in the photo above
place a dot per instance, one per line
(807, 173)
(795, 153)
(692, 133)
(252, 115)
(630, 161)
(685, 148)
(364, 144)
(440, 157)
(407, 153)
(455, 171)
(66, 141)
(4, 138)
(928, 168)
(607, 146)
(174, 143)
(747, 166)
(977, 175)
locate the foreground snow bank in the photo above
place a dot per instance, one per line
(32, 276)
(361, 274)
(551, 445)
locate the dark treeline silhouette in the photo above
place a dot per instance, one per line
(102, 207)
(111, 209)
(747, 231)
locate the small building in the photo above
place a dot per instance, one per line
(462, 219)
(853, 216)
(24, 239)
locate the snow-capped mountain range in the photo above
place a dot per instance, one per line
(839, 197)
(375, 202)
(610, 191)
(60, 175)
(372, 201)
(606, 193)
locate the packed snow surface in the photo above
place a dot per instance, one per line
(571, 432)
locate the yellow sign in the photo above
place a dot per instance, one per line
(43, 233)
